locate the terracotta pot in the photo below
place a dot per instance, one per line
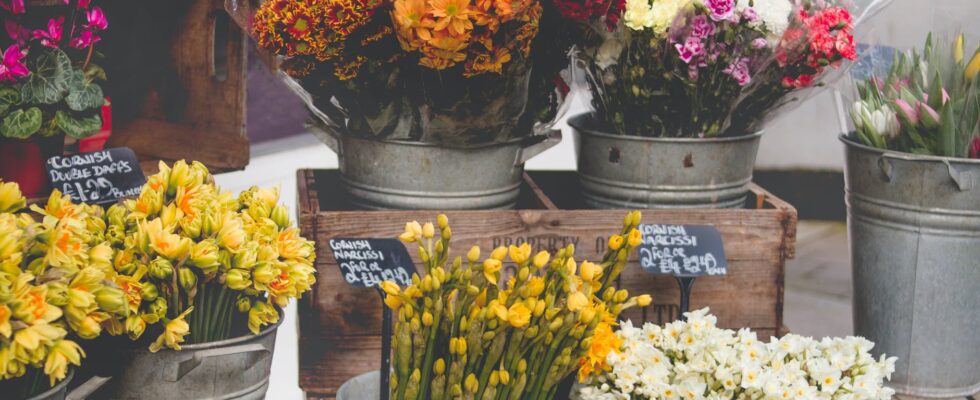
(22, 161)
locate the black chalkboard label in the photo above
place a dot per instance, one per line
(99, 177)
(682, 250)
(368, 262)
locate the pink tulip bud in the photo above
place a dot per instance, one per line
(907, 111)
(929, 116)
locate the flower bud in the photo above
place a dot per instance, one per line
(471, 384)
(504, 377)
(11, 198)
(499, 253)
(246, 257)
(161, 269)
(158, 307)
(590, 271)
(635, 238)
(135, 325)
(494, 378)
(205, 255)
(541, 259)
(57, 294)
(100, 257)
(621, 296)
(447, 233)
(427, 318)
(428, 231)
(264, 272)
(237, 279)
(148, 291)
(439, 366)
(473, 254)
(615, 242)
(280, 215)
(112, 300)
(88, 328)
(644, 300)
(187, 279)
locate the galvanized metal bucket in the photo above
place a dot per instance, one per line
(392, 174)
(619, 171)
(235, 368)
(58, 392)
(367, 386)
(914, 228)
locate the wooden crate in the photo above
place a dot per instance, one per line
(340, 326)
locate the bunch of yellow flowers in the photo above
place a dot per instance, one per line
(56, 284)
(188, 249)
(459, 334)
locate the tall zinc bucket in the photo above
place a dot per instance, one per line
(393, 174)
(914, 228)
(619, 171)
(236, 368)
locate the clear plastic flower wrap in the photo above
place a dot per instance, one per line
(915, 89)
(707, 68)
(449, 72)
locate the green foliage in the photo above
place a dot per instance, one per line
(20, 124)
(77, 126)
(9, 97)
(50, 78)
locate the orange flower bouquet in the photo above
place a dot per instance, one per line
(448, 72)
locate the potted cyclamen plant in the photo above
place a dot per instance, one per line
(398, 87)
(912, 174)
(681, 89)
(48, 87)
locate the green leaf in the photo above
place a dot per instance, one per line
(936, 92)
(21, 124)
(49, 79)
(94, 72)
(947, 133)
(78, 127)
(85, 97)
(9, 97)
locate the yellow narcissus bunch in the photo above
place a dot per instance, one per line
(54, 284)
(459, 334)
(190, 255)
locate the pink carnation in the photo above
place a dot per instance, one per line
(720, 9)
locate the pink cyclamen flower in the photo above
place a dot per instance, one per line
(720, 9)
(691, 48)
(13, 66)
(52, 36)
(14, 6)
(82, 4)
(739, 70)
(17, 32)
(96, 19)
(84, 40)
(701, 27)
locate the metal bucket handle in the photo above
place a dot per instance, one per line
(962, 179)
(86, 389)
(551, 139)
(173, 372)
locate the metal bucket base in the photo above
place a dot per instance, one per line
(236, 368)
(914, 239)
(618, 171)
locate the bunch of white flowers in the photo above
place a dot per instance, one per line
(694, 359)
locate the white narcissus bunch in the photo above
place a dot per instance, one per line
(697, 360)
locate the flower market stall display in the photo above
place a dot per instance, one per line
(467, 330)
(693, 359)
(209, 274)
(397, 87)
(913, 210)
(682, 88)
(58, 289)
(48, 87)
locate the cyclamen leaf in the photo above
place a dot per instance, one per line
(9, 97)
(85, 97)
(21, 124)
(49, 79)
(77, 127)
(94, 72)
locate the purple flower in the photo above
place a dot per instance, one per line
(750, 15)
(739, 70)
(720, 9)
(701, 27)
(691, 48)
(759, 43)
(13, 66)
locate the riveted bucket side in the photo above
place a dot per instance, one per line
(619, 171)
(915, 245)
(58, 391)
(236, 368)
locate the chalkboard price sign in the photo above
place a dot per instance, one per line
(99, 177)
(682, 250)
(368, 262)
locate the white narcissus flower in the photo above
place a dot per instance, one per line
(608, 53)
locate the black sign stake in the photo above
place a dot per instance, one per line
(686, 283)
(684, 251)
(385, 349)
(366, 263)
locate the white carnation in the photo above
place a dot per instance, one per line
(773, 14)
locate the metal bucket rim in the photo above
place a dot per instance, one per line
(579, 123)
(227, 342)
(56, 388)
(900, 155)
(518, 141)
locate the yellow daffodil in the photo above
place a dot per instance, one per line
(520, 254)
(499, 253)
(518, 315)
(173, 333)
(541, 259)
(491, 267)
(11, 198)
(5, 328)
(231, 236)
(973, 68)
(635, 238)
(590, 271)
(166, 244)
(260, 315)
(60, 356)
(577, 301)
(615, 242)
